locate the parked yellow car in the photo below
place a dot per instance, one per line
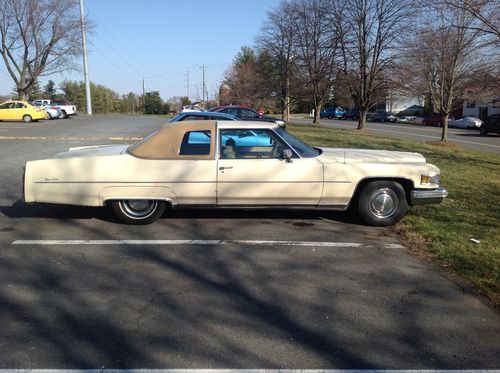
(21, 110)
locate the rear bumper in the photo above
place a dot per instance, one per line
(424, 196)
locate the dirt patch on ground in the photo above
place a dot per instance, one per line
(443, 144)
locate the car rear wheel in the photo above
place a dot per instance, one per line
(63, 115)
(138, 211)
(382, 203)
(483, 131)
(27, 118)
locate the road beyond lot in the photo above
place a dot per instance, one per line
(215, 289)
(466, 138)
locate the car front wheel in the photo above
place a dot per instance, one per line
(138, 211)
(382, 203)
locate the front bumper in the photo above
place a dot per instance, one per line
(424, 196)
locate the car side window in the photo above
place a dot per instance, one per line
(195, 117)
(4, 106)
(196, 143)
(250, 144)
(245, 113)
(233, 111)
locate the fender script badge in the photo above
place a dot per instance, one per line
(52, 179)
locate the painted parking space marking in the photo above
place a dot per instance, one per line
(70, 138)
(201, 242)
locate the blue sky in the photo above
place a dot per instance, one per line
(160, 40)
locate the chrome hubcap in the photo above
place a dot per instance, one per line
(138, 208)
(383, 203)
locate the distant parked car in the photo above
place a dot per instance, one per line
(352, 114)
(465, 122)
(408, 118)
(201, 115)
(331, 112)
(21, 110)
(53, 111)
(191, 108)
(435, 119)
(245, 113)
(383, 116)
(66, 108)
(492, 124)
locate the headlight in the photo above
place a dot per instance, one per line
(429, 179)
(279, 122)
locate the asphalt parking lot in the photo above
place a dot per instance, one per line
(215, 289)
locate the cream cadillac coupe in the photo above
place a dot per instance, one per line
(233, 164)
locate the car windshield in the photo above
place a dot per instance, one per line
(302, 149)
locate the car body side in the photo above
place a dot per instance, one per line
(329, 180)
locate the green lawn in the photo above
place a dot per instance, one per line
(443, 232)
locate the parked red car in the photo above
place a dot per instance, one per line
(435, 119)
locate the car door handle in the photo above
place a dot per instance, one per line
(225, 168)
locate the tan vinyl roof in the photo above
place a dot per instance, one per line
(165, 143)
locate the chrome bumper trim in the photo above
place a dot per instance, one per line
(423, 196)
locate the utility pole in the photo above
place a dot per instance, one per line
(85, 63)
(187, 83)
(143, 97)
(203, 67)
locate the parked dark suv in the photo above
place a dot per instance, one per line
(492, 124)
(352, 114)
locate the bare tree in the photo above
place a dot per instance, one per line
(315, 49)
(449, 57)
(486, 13)
(276, 39)
(370, 32)
(38, 37)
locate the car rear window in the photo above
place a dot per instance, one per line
(196, 143)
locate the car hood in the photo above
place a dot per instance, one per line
(369, 156)
(93, 151)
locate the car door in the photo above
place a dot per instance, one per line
(251, 171)
(6, 111)
(18, 111)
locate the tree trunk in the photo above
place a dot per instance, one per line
(285, 115)
(317, 110)
(362, 118)
(444, 134)
(22, 93)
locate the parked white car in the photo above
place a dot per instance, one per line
(233, 164)
(53, 111)
(465, 122)
(191, 108)
(66, 108)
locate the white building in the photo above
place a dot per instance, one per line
(480, 109)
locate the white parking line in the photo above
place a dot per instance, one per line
(198, 242)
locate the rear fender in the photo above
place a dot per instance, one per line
(137, 192)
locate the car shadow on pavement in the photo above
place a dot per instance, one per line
(41, 210)
(53, 211)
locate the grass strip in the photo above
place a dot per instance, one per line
(443, 232)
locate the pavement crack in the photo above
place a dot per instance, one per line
(145, 309)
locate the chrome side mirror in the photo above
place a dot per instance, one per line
(287, 155)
